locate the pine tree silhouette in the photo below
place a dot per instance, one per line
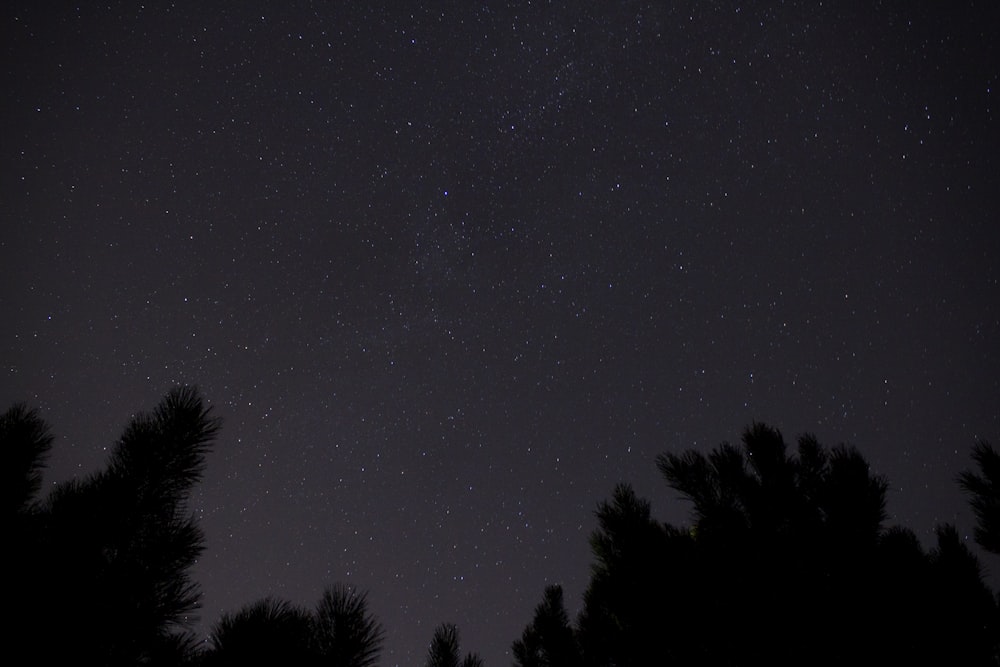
(444, 650)
(341, 631)
(786, 562)
(549, 640)
(984, 492)
(103, 563)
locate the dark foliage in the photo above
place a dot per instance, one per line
(267, 632)
(786, 562)
(102, 564)
(100, 568)
(345, 633)
(341, 632)
(444, 650)
(25, 441)
(984, 495)
(549, 640)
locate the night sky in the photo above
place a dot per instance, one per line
(450, 271)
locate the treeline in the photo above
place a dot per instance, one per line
(787, 561)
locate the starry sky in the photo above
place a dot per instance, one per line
(449, 271)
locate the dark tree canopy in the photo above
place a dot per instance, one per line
(444, 649)
(346, 634)
(25, 441)
(787, 561)
(340, 632)
(549, 640)
(103, 563)
(984, 495)
(266, 632)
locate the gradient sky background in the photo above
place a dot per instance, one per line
(449, 271)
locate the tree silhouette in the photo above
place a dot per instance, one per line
(764, 491)
(444, 650)
(340, 632)
(25, 441)
(966, 610)
(104, 562)
(268, 631)
(549, 641)
(632, 561)
(345, 633)
(984, 490)
(786, 562)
